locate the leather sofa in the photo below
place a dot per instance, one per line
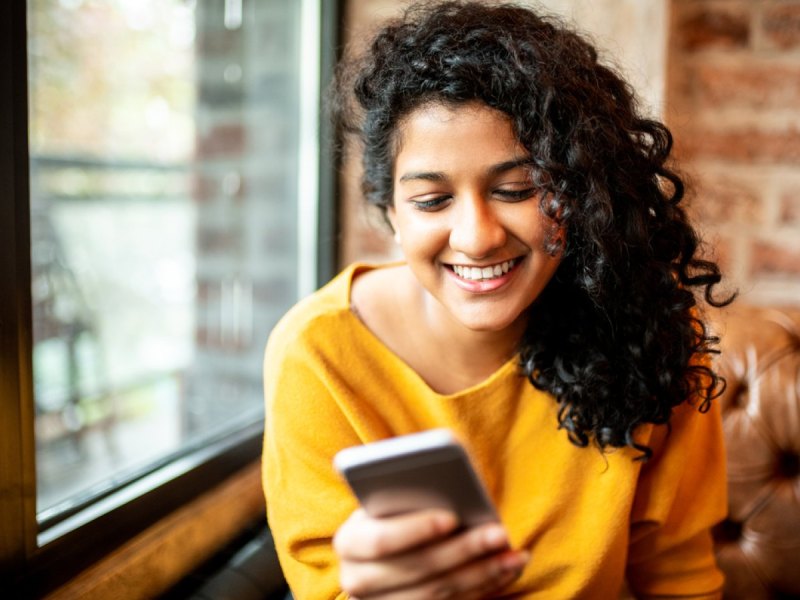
(758, 546)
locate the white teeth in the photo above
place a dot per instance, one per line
(481, 273)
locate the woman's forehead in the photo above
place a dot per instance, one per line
(448, 136)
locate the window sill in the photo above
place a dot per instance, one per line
(155, 560)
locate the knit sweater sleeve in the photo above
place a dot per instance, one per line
(681, 494)
(306, 500)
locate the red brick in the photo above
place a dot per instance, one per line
(746, 85)
(713, 28)
(778, 147)
(790, 208)
(773, 259)
(366, 235)
(719, 249)
(222, 141)
(721, 252)
(728, 200)
(781, 25)
(375, 240)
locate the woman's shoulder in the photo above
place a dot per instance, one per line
(324, 312)
(374, 291)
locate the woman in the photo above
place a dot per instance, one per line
(545, 312)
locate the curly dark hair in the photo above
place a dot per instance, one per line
(616, 336)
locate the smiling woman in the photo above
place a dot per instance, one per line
(546, 311)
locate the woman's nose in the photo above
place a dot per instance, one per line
(476, 230)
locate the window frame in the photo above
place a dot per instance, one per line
(35, 562)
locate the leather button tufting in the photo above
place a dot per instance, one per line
(738, 394)
(727, 531)
(788, 465)
(758, 545)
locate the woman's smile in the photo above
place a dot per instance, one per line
(484, 279)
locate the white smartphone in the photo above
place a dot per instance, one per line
(423, 470)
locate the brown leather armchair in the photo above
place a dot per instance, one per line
(758, 546)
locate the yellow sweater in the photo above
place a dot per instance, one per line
(588, 519)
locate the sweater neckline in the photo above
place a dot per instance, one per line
(482, 387)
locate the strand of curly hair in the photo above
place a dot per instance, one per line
(616, 336)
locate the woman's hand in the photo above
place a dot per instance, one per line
(416, 556)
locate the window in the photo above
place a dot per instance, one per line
(162, 207)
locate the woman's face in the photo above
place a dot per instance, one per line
(467, 215)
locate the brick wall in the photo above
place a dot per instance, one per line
(364, 235)
(734, 104)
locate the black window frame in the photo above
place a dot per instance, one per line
(26, 567)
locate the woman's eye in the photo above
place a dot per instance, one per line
(431, 204)
(515, 195)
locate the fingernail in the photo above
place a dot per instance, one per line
(495, 537)
(515, 561)
(446, 521)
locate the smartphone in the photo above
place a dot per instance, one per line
(423, 470)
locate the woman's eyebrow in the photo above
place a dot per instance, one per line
(510, 164)
(424, 176)
(438, 176)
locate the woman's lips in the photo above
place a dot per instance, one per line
(479, 280)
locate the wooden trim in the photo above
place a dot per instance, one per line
(328, 210)
(17, 476)
(154, 561)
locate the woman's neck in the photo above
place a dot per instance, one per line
(416, 327)
(466, 355)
